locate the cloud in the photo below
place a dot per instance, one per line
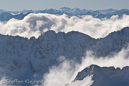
(65, 73)
(2, 82)
(60, 75)
(120, 59)
(36, 24)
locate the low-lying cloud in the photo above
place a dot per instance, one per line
(36, 24)
(66, 72)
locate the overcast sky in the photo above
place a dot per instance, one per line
(45, 4)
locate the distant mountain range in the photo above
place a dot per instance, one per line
(7, 15)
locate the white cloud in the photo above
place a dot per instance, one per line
(35, 24)
(120, 59)
(65, 73)
(3, 82)
(60, 75)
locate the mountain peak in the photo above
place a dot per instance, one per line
(105, 76)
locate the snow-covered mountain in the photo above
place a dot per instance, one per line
(103, 76)
(36, 56)
(7, 15)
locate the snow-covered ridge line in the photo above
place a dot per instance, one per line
(90, 70)
(115, 41)
(102, 76)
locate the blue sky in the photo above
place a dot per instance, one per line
(45, 4)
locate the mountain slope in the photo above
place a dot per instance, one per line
(38, 55)
(105, 76)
